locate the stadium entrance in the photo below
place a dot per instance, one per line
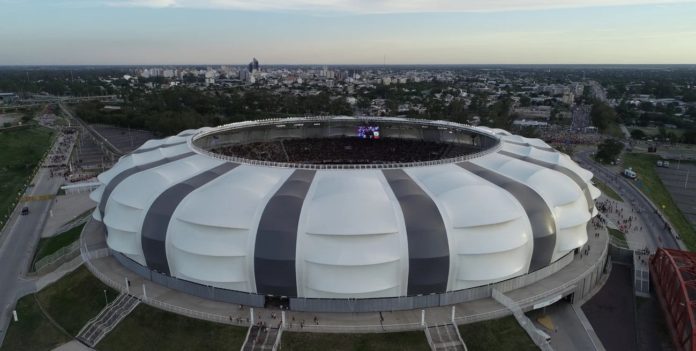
(277, 302)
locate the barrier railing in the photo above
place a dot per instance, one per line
(265, 122)
(63, 255)
(88, 256)
(549, 293)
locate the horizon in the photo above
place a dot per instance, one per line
(347, 32)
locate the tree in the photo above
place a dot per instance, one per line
(529, 132)
(525, 101)
(637, 134)
(603, 116)
(609, 150)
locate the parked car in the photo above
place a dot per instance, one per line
(25, 211)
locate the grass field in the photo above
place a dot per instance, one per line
(496, 335)
(48, 246)
(33, 331)
(652, 186)
(404, 341)
(148, 328)
(75, 299)
(20, 151)
(606, 190)
(70, 302)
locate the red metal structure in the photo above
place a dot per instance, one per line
(673, 273)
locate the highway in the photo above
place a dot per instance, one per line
(659, 236)
(17, 244)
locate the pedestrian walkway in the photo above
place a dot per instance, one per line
(262, 338)
(107, 319)
(445, 337)
(535, 334)
(581, 274)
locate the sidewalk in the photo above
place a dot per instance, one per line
(578, 276)
(66, 208)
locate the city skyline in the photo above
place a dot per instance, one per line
(78, 32)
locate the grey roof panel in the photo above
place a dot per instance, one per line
(133, 170)
(156, 222)
(428, 247)
(530, 145)
(140, 151)
(568, 173)
(540, 216)
(276, 237)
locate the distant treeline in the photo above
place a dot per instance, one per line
(170, 111)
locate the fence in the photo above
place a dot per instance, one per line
(64, 254)
(88, 256)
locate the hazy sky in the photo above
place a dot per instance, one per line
(346, 31)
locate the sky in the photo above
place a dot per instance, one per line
(139, 32)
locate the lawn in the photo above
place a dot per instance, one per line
(75, 299)
(48, 246)
(606, 190)
(619, 236)
(496, 335)
(20, 151)
(33, 331)
(652, 186)
(148, 328)
(404, 341)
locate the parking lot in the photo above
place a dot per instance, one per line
(124, 139)
(682, 189)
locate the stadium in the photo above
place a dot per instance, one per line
(345, 214)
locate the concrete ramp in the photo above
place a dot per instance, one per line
(444, 337)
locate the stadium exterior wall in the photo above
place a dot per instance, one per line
(347, 305)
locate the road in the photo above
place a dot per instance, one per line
(18, 242)
(659, 236)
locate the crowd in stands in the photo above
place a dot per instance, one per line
(347, 150)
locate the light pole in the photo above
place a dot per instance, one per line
(686, 181)
(106, 301)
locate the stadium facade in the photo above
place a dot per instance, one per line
(329, 235)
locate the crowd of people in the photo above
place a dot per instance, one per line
(347, 150)
(563, 136)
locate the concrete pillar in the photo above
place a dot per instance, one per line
(453, 311)
(127, 287)
(251, 312)
(422, 318)
(144, 292)
(282, 316)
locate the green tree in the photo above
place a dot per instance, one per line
(637, 134)
(609, 150)
(603, 116)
